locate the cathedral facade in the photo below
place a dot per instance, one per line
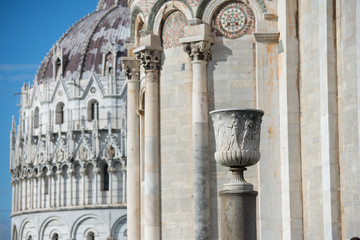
(68, 151)
(115, 141)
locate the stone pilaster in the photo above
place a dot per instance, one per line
(329, 118)
(131, 67)
(198, 48)
(289, 113)
(149, 57)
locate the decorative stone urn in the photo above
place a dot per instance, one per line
(237, 136)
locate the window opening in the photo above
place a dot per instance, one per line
(36, 118)
(60, 113)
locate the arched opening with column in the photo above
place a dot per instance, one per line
(93, 110)
(60, 113)
(36, 118)
(90, 184)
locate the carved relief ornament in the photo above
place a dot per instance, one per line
(131, 67)
(200, 50)
(149, 58)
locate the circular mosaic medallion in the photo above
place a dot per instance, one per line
(234, 20)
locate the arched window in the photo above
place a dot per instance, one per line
(60, 113)
(93, 110)
(36, 117)
(90, 236)
(29, 237)
(109, 60)
(55, 236)
(58, 70)
(104, 178)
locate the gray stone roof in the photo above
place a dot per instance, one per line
(82, 45)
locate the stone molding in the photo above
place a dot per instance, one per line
(199, 50)
(150, 57)
(266, 37)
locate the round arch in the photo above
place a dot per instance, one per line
(163, 8)
(119, 222)
(81, 219)
(14, 233)
(23, 225)
(136, 12)
(46, 222)
(92, 108)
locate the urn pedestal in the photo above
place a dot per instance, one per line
(237, 136)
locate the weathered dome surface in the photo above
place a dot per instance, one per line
(82, 46)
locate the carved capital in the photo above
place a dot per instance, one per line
(111, 169)
(131, 67)
(199, 50)
(266, 37)
(150, 57)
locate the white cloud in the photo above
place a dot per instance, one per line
(17, 67)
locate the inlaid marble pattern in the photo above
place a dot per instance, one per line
(173, 29)
(233, 20)
(193, 3)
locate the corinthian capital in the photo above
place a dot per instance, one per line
(131, 67)
(199, 50)
(150, 57)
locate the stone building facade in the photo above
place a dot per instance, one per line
(299, 61)
(68, 151)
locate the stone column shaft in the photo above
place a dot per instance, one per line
(96, 172)
(152, 157)
(59, 188)
(20, 194)
(150, 60)
(201, 165)
(32, 193)
(199, 51)
(40, 191)
(13, 196)
(132, 70)
(26, 193)
(71, 188)
(83, 176)
(111, 173)
(50, 190)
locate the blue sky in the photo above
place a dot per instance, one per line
(28, 30)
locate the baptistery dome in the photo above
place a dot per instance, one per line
(68, 151)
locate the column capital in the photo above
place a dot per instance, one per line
(149, 56)
(131, 67)
(197, 41)
(200, 50)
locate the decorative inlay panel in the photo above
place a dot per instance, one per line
(233, 20)
(193, 3)
(173, 29)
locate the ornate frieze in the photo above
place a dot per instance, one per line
(199, 50)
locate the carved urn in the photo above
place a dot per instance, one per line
(237, 136)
